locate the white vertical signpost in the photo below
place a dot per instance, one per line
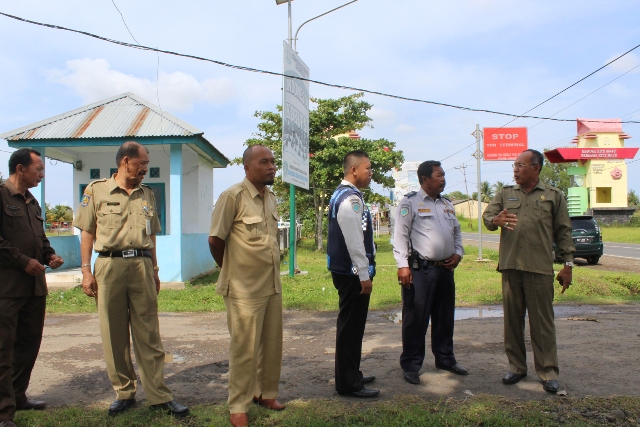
(295, 136)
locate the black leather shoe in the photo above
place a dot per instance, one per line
(365, 392)
(172, 408)
(457, 369)
(550, 386)
(31, 404)
(512, 378)
(412, 377)
(368, 379)
(119, 406)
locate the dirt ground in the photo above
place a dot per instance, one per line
(596, 358)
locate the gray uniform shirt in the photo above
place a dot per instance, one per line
(431, 225)
(351, 225)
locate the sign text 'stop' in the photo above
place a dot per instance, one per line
(504, 143)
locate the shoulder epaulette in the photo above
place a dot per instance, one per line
(145, 185)
(507, 186)
(447, 199)
(97, 180)
(410, 194)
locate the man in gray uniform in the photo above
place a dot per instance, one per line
(427, 246)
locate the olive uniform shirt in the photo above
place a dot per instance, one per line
(118, 220)
(543, 218)
(249, 226)
(22, 239)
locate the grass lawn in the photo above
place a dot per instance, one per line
(481, 410)
(471, 226)
(621, 234)
(476, 283)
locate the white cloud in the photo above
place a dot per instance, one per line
(404, 128)
(94, 79)
(625, 63)
(616, 89)
(381, 116)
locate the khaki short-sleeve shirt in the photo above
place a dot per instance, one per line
(118, 220)
(249, 226)
(543, 218)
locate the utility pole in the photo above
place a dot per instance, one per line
(463, 168)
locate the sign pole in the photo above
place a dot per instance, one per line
(292, 230)
(478, 156)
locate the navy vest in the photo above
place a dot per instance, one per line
(338, 259)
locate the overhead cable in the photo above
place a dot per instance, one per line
(273, 73)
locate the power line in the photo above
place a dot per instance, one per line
(273, 73)
(125, 24)
(584, 78)
(622, 75)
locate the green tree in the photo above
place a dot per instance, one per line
(329, 120)
(555, 174)
(486, 190)
(632, 198)
(456, 195)
(59, 213)
(498, 186)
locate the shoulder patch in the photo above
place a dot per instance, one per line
(404, 211)
(355, 205)
(410, 194)
(86, 197)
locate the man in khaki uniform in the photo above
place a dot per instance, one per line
(532, 215)
(244, 243)
(118, 219)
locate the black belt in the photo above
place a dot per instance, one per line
(429, 263)
(126, 254)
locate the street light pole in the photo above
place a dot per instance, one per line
(295, 38)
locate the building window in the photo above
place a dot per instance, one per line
(603, 194)
(94, 173)
(154, 172)
(112, 171)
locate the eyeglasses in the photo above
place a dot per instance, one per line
(521, 165)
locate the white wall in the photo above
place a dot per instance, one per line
(197, 192)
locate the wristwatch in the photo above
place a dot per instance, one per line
(568, 264)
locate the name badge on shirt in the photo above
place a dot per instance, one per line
(145, 208)
(424, 210)
(512, 199)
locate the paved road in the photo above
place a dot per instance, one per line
(621, 250)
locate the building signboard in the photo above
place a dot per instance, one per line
(295, 120)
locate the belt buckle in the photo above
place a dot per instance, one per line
(128, 253)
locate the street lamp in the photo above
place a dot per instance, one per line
(295, 38)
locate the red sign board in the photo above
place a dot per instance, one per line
(504, 143)
(560, 155)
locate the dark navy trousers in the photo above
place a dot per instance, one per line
(430, 297)
(352, 319)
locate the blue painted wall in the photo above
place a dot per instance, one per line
(68, 247)
(196, 258)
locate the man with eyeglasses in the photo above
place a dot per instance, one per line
(531, 215)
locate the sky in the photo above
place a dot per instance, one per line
(502, 55)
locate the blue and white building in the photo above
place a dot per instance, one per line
(180, 172)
